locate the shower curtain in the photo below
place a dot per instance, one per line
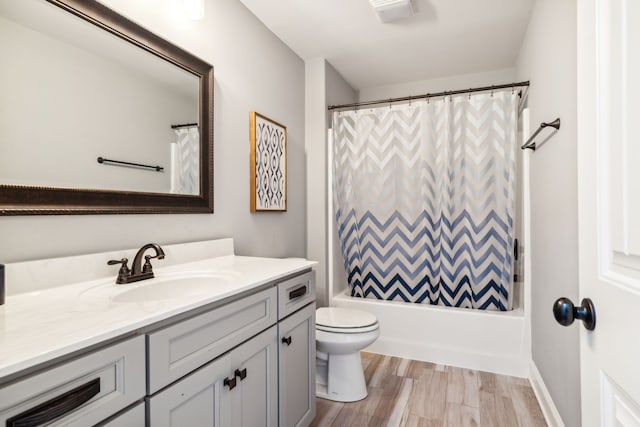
(185, 161)
(424, 199)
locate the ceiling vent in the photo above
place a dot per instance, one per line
(392, 10)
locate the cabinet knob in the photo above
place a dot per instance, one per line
(241, 373)
(230, 382)
(286, 340)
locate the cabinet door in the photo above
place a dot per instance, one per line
(133, 417)
(254, 402)
(297, 367)
(200, 399)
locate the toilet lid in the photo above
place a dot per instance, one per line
(344, 318)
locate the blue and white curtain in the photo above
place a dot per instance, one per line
(424, 197)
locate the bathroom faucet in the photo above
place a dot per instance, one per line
(138, 271)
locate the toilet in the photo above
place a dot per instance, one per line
(340, 335)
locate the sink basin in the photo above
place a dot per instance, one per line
(173, 286)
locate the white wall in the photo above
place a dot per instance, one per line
(421, 87)
(254, 70)
(548, 59)
(323, 87)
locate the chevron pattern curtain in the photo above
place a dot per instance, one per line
(185, 161)
(424, 197)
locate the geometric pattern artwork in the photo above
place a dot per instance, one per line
(268, 165)
(424, 197)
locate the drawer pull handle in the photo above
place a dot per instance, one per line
(231, 383)
(56, 407)
(298, 292)
(287, 340)
(241, 373)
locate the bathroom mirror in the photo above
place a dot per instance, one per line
(99, 115)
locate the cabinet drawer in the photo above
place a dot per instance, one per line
(295, 293)
(179, 349)
(83, 391)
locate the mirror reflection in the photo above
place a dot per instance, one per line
(73, 93)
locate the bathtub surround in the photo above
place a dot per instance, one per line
(424, 198)
(492, 341)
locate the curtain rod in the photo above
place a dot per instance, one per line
(431, 95)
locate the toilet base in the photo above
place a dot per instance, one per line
(345, 379)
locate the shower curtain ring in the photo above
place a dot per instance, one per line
(492, 91)
(470, 90)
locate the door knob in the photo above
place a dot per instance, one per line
(565, 312)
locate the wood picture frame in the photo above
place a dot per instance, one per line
(268, 164)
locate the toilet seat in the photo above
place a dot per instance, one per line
(345, 321)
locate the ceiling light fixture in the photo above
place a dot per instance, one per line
(392, 10)
(194, 9)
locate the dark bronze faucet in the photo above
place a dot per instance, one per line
(137, 271)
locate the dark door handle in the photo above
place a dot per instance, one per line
(56, 407)
(286, 340)
(565, 312)
(230, 382)
(241, 373)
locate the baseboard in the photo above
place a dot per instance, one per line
(549, 410)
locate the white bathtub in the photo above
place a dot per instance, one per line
(476, 339)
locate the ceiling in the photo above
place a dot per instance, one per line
(443, 38)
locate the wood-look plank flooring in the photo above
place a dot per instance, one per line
(409, 393)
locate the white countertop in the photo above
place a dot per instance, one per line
(39, 326)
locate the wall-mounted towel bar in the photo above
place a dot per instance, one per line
(184, 125)
(532, 145)
(102, 160)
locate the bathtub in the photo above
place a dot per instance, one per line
(476, 339)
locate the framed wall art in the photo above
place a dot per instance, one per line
(268, 160)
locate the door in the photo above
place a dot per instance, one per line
(297, 368)
(254, 401)
(200, 399)
(609, 208)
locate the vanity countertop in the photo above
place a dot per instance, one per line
(39, 326)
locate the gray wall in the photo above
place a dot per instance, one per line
(420, 87)
(548, 59)
(324, 86)
(254, 70)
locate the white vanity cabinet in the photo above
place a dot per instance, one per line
(297, 350)
(239, 388)
(297, 368)
(249, 378)
(80, 392)
(248, 361)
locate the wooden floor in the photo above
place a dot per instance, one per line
(408, 393)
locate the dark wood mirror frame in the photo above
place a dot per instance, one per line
(26, 200)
